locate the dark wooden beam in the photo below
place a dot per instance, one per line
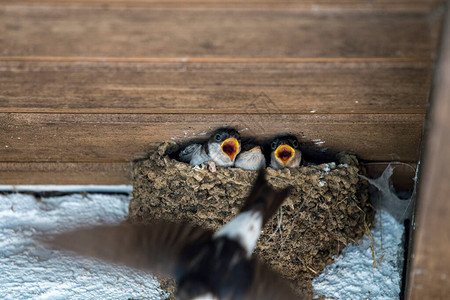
(429, 275)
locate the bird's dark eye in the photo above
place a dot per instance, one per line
(294, 144)
(218, 137)
(274, 145)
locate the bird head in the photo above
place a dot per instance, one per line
(224, 143)
(256, 149)
(284, 148)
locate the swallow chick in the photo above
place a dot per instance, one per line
(285, 152)
(222, 148)
(251, 158)
(194, 154)
(206, 264)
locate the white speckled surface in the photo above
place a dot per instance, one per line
(354, 276)
(29, 271)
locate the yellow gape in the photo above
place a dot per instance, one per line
(284, 153)
(230, 147)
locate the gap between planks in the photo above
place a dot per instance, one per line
(222, 59)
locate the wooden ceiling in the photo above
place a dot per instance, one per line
(88, 86)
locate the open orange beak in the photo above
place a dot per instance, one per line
(230, 147)
(284, 153)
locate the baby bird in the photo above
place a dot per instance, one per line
(285, 152)
(194, 154)
(251, 157)
(222, 148)
(205, 264)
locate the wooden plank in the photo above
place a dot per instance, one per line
(225, 88)
(110, 173)
(65, 173)
(224, 2)
(208, 32)
(399, 5)
(430, 269)
(76, 59)
(123, 137)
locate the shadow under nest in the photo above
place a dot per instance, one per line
(327, 209)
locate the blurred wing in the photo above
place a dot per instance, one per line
(262, 194)
(268, 284)
(154, 247)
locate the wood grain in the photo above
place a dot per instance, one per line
(84, 59)
(224, 2)
(65, 173)
(86, 86)
(430, 269)
(117, 173)
(228, 88)
(123, 137)
(102, 31)
(376, 5)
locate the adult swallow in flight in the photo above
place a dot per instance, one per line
(206, 264)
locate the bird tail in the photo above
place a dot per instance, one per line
(264, 197)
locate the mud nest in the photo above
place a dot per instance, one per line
(328, 207)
